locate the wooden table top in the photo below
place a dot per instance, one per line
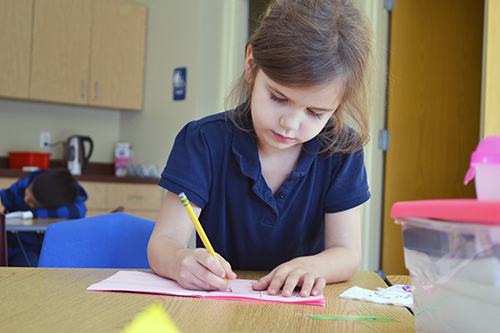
(399, 279)
(55, 300)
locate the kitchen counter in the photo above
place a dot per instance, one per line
(95, 172)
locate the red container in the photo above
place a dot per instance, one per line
(20, 159)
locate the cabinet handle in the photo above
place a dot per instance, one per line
(135, 197)
(83, 89)
(96, 90)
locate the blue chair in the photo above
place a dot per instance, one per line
(115, 240)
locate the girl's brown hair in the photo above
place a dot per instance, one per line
(302, 43)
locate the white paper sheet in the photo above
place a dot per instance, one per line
(141, 282)
(398, 294)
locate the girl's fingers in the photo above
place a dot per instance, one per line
(188, 280)
(319, 286)
(263, 282)
(227, 268)
(213, 273)
(278, 281)
(291, 282)
(197, 284)
(274, 281)
(203, 271)
(307, 285)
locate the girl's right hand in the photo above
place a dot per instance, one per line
(170, 257)
(197, 269)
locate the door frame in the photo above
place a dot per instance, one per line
(371, 211)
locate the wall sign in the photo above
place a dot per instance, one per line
(180, 76)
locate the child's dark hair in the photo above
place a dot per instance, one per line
(54, 188)
(302, 43)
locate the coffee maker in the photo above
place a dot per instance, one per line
(76, 155)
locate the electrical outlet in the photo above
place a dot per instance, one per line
(45, 140)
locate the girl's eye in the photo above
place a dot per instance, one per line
(277, 99)
(316, 114)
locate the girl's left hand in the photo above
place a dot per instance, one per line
(295, 273)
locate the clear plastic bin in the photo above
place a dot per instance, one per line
(454, 264)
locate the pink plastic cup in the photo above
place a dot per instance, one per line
(485, 167)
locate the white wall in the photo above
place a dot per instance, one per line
(172, 41)
(188, 34)
(21, 123)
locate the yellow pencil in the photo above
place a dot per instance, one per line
(199, 228)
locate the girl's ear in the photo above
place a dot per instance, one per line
(249, 66)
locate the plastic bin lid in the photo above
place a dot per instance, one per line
(452, 210)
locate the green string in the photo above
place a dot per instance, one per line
(350, 318)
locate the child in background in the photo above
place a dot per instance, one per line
(278, 181)
(51, 193)
(47, 194)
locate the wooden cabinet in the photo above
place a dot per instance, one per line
(7, 182)
(15, 41)
(117, 63)
(85, 52)
(143, 200)
(61, 51)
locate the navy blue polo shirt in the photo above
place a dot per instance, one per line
(217, 165)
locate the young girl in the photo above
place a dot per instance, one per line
(278, 181)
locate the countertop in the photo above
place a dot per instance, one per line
(94, 172)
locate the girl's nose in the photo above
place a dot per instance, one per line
(290, 120)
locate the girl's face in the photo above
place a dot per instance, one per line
(285, 117)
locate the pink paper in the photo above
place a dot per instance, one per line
(141, 282)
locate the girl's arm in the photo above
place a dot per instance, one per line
(169, 256)
(338, 262)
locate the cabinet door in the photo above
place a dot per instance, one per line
(15, 44)
(7, 182)
(61, 47)
(134, 196)
(117, 61)
(97, 193)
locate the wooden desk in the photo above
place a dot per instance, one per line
(399, 279)
(34, 225)
(55, 300)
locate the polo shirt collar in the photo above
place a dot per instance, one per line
(244, 146)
